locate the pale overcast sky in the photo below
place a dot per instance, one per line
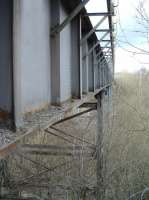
(127, 26)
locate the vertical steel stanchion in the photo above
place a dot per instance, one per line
(100, 98)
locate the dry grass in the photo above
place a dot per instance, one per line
(126, 141)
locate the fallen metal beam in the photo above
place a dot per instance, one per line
(22, 155)
(73, 116)
(59, 136)
(88, 105)
(49, 153)
(72, 136)
(93, 30)
(60, 27)
(44, 186)
(57, 152)
(46, 147)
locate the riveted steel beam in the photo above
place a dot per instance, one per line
(93, 30)
(66, 21)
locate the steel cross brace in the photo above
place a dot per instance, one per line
(93, 30)
(101, 50)
(102, 57)
(60, 27)
(103, 61)
(95, 45)
(106, 61)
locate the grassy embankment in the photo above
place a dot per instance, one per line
(126, 140)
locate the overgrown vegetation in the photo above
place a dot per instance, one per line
(126, 141)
